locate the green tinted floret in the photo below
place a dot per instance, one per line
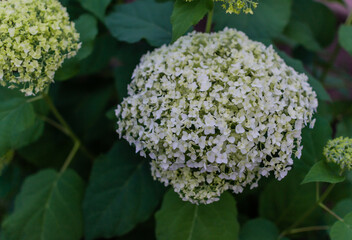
(35, 38)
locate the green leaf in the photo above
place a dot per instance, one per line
(142, 19)
(128, 56)
(47, 208)
(342, 230)
(87, 27)
(179, 220)
(18, 123)
(298, 66)
(344, 127)
(267, 22)
(314, 140)
(121, 193)
(302, 34)
(322, 23)
(342, 208)
(98, 7)
(104, 49)
(6, 159)
(345, 37)
(283, 202)
(259, 228)
(321, 172)
(187, 14)
(10, 180)
(52, 141)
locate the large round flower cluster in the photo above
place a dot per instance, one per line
(339, 151)
(216, 112)
(35, 38)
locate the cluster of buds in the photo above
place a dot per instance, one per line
(339, 151)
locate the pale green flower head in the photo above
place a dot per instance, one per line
(216, 112)
(237, 6)
(35, 38)
(339, 151)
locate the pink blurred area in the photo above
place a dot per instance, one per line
(338, 8)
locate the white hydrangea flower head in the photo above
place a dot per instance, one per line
(216, 112)
(35, 38)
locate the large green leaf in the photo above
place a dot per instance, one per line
(344, 127)
(314, 140)
(179, 220)
(128, 62)
(321, 21)
(342, 230)
(267, 22)
(302, 34)
(283, 202)
(105, 47)
(87, 27)
(298, 66)
(142, 19)
(18, 123)
(47, 208)
(187, 14)
(342, 208)
(98, 7)
(322, 172)
(345, 37)
(259, 228)
(121, 193)
(52, 141)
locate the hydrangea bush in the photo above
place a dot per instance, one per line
(233, 120)
(216, 112)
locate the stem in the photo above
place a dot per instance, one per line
(33, 99)
(53, 123)
(349, 19)
(309, 211)
(70, 157)
(308, 229)
(323, 206)
(330, 62)
(209, 21)
(317, 191)
(67, 130)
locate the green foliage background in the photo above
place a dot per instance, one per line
(108, 192)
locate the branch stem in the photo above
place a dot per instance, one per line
(64, 125)
(330, 64)
(36, 98)
(323, 206)
(309, 211)
(209, 21)
(71, 156)
(307, 229)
